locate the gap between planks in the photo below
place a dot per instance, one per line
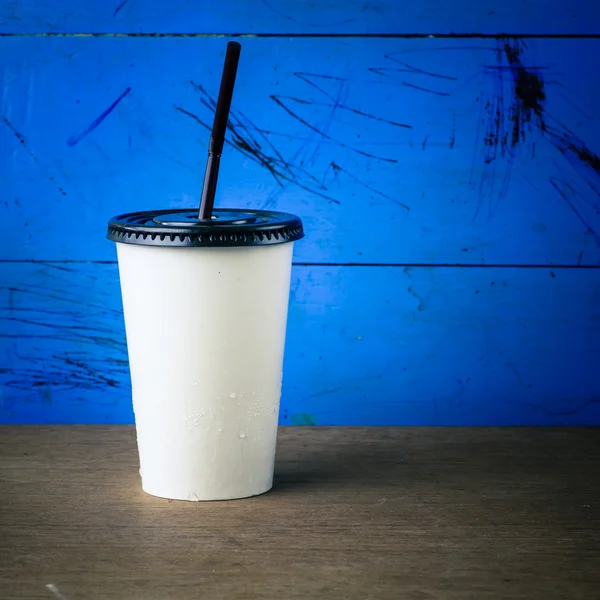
(338, 264)
(492, 36)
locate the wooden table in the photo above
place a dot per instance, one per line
(365, 513)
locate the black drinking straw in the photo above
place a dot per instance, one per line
(217, 137)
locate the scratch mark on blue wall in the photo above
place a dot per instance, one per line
(514, 119)
(255, 144)
(21, 138)
(424, 89)
(305, 154)
(406, 68)
(307, 78)
(358, 112)
(245, 143)
(513, 114)
(75, 139)
(294, 19)
(571, 194)
(118, 9)
(337, 168)
(422, 304)
(277, 100)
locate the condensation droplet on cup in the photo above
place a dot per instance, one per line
(219, 429)
(232, 395)
(242, 434)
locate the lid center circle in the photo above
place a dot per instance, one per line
(190, 219)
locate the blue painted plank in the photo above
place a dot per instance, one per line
(369, 346)
(299, 16)
(393, 151)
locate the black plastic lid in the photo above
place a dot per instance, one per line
(228, 227)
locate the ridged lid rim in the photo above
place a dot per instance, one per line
(180, 228)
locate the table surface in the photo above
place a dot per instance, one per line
(365, 513)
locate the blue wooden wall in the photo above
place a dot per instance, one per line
(444, 158)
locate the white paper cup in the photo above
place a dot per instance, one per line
(205, 333)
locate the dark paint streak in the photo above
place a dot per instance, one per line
(520, 378)
(508, 120)
(350, 109)
(74, 330)
(118, 9)
(256, 144)
(305, 76)
(66, 378)
(359, 182)
(75, 139)
(280, 170)
(406, 68)
(292, 114)
(423, 89)
(245, 141)
(21, 138)
(55, 295)
(58, 267)
(310, 151)
(584, 114)
(568, 193)
(567, 142)
(421, 306)
(87, 326)
(250, 148)
(453, 134)
(529, 87)
(525, 110)
(93, 373)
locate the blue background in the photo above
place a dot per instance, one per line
(443, 158)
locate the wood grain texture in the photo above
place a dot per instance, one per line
(355, 513)
(392, 151)
(299, 17)
(378, 346)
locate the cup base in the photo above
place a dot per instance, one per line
(193, 497)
